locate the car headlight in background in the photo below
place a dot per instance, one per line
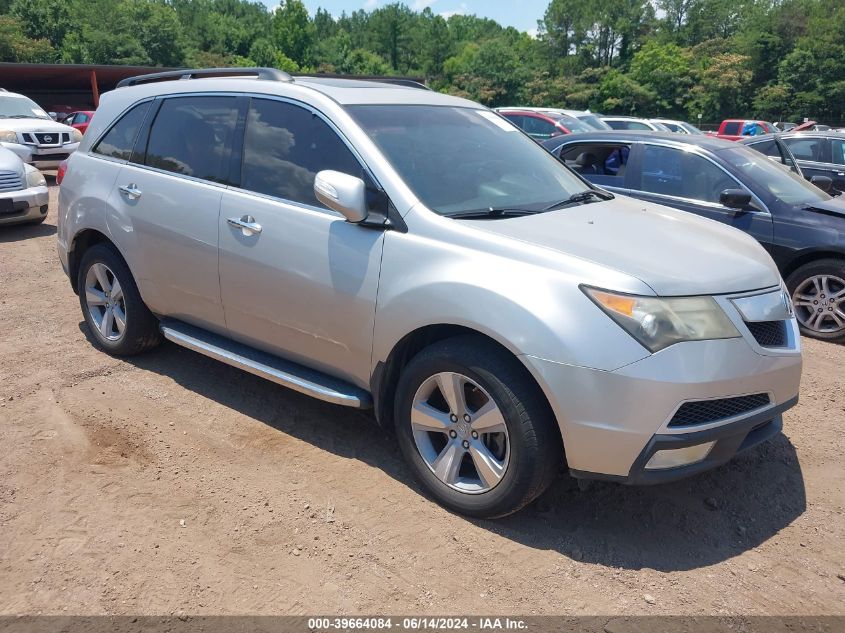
(75, 135)
(657, 323)
(34, 178)
(8, 136)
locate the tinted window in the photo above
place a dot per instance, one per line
(119, 140)
(628, 125)
(601, 164)
(673, 172)
(674, 127)
(464, 159)
(805, 148)
(539, 128)
(193, 136)
(286, 146)
(837, 147)
(732, 128)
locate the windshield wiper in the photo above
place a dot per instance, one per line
(581, 196)
(492, 213)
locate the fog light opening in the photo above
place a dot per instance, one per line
(675, 457)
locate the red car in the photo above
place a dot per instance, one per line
(735, 129)
(544, 125)
(79, 120)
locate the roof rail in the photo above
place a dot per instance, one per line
(265, 74)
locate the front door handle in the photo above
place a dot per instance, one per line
(246, 223)
(131, 190)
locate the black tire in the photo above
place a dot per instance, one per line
(831, 267)
(141, 332)
(536, 450)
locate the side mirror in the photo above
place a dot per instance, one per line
(342, 193)
(822, 182)
(735, 199)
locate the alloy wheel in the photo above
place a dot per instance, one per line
(105, 301)
(460, 433)
(820, 303)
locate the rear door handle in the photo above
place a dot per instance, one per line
(131, 190)
(246, 223)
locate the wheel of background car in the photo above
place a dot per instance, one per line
(475, 429)
(818, 294)
(119, 321)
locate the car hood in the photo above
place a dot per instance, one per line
(834, 206)
(33, 125)
(673, 252)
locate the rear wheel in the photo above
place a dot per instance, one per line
(475, 429)
(119, 321)
(818, 295)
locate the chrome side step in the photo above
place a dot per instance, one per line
(273, 368)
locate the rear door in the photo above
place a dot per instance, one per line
(693, 182)
(167, 204)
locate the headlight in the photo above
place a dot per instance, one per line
(8, 136)
(75, 135)
(34, 178)
(657, 323)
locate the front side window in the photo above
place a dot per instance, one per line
(776, 179)
(284, 149)
(805, 148)
(119, 140)
(193, 136)
(459, 160)
(674, 172)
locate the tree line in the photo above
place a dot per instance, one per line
(774, 59)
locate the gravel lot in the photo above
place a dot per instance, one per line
(169, 482)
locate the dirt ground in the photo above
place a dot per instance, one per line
(171, 483)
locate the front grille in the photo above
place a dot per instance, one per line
(48, 138)
(708, 411)
(40, 158)
(768, 333)
(10, 181)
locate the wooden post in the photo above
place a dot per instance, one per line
(94, 89)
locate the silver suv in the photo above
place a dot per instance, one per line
(389, 247)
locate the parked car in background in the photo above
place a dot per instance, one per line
(820, 154)
(783, 126)
(633, 123)
(23, 191)
(592, 119)
(811, 126)
(801, 226)
(79, 120)
(775, 147)
(735, 129)
(544, 125)
(382, 246)
(29, 132)
(679, 127)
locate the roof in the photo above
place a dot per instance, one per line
(711, 143)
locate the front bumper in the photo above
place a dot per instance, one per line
(27, 205)
(612, 422)
(42, 156)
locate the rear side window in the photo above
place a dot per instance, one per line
(284, 148)
(118, 141)
(732, 128)
(673, 172)
(805, 148)
(540, 128)
(598, 163)
(193, 136)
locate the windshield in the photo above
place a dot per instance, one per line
(594, 122)
(777, 179)
(574, 125)
(19, 108)
(689, 127)
(462, 159)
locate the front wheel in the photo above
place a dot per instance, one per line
(818, 295)
(475, 429)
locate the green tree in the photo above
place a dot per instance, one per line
(292, 30)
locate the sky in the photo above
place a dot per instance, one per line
(522, 14)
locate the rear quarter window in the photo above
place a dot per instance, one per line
(119, 140)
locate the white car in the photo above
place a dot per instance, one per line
(30, 133)
(23, 191)
(633, 123)
(679, 127)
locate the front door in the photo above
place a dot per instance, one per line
(302, 283)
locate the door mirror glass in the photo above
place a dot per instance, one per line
(735, 199)
(342, 193)
(822, 182)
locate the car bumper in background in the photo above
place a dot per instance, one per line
(27, 205)
(613, 422)
(42, 157)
